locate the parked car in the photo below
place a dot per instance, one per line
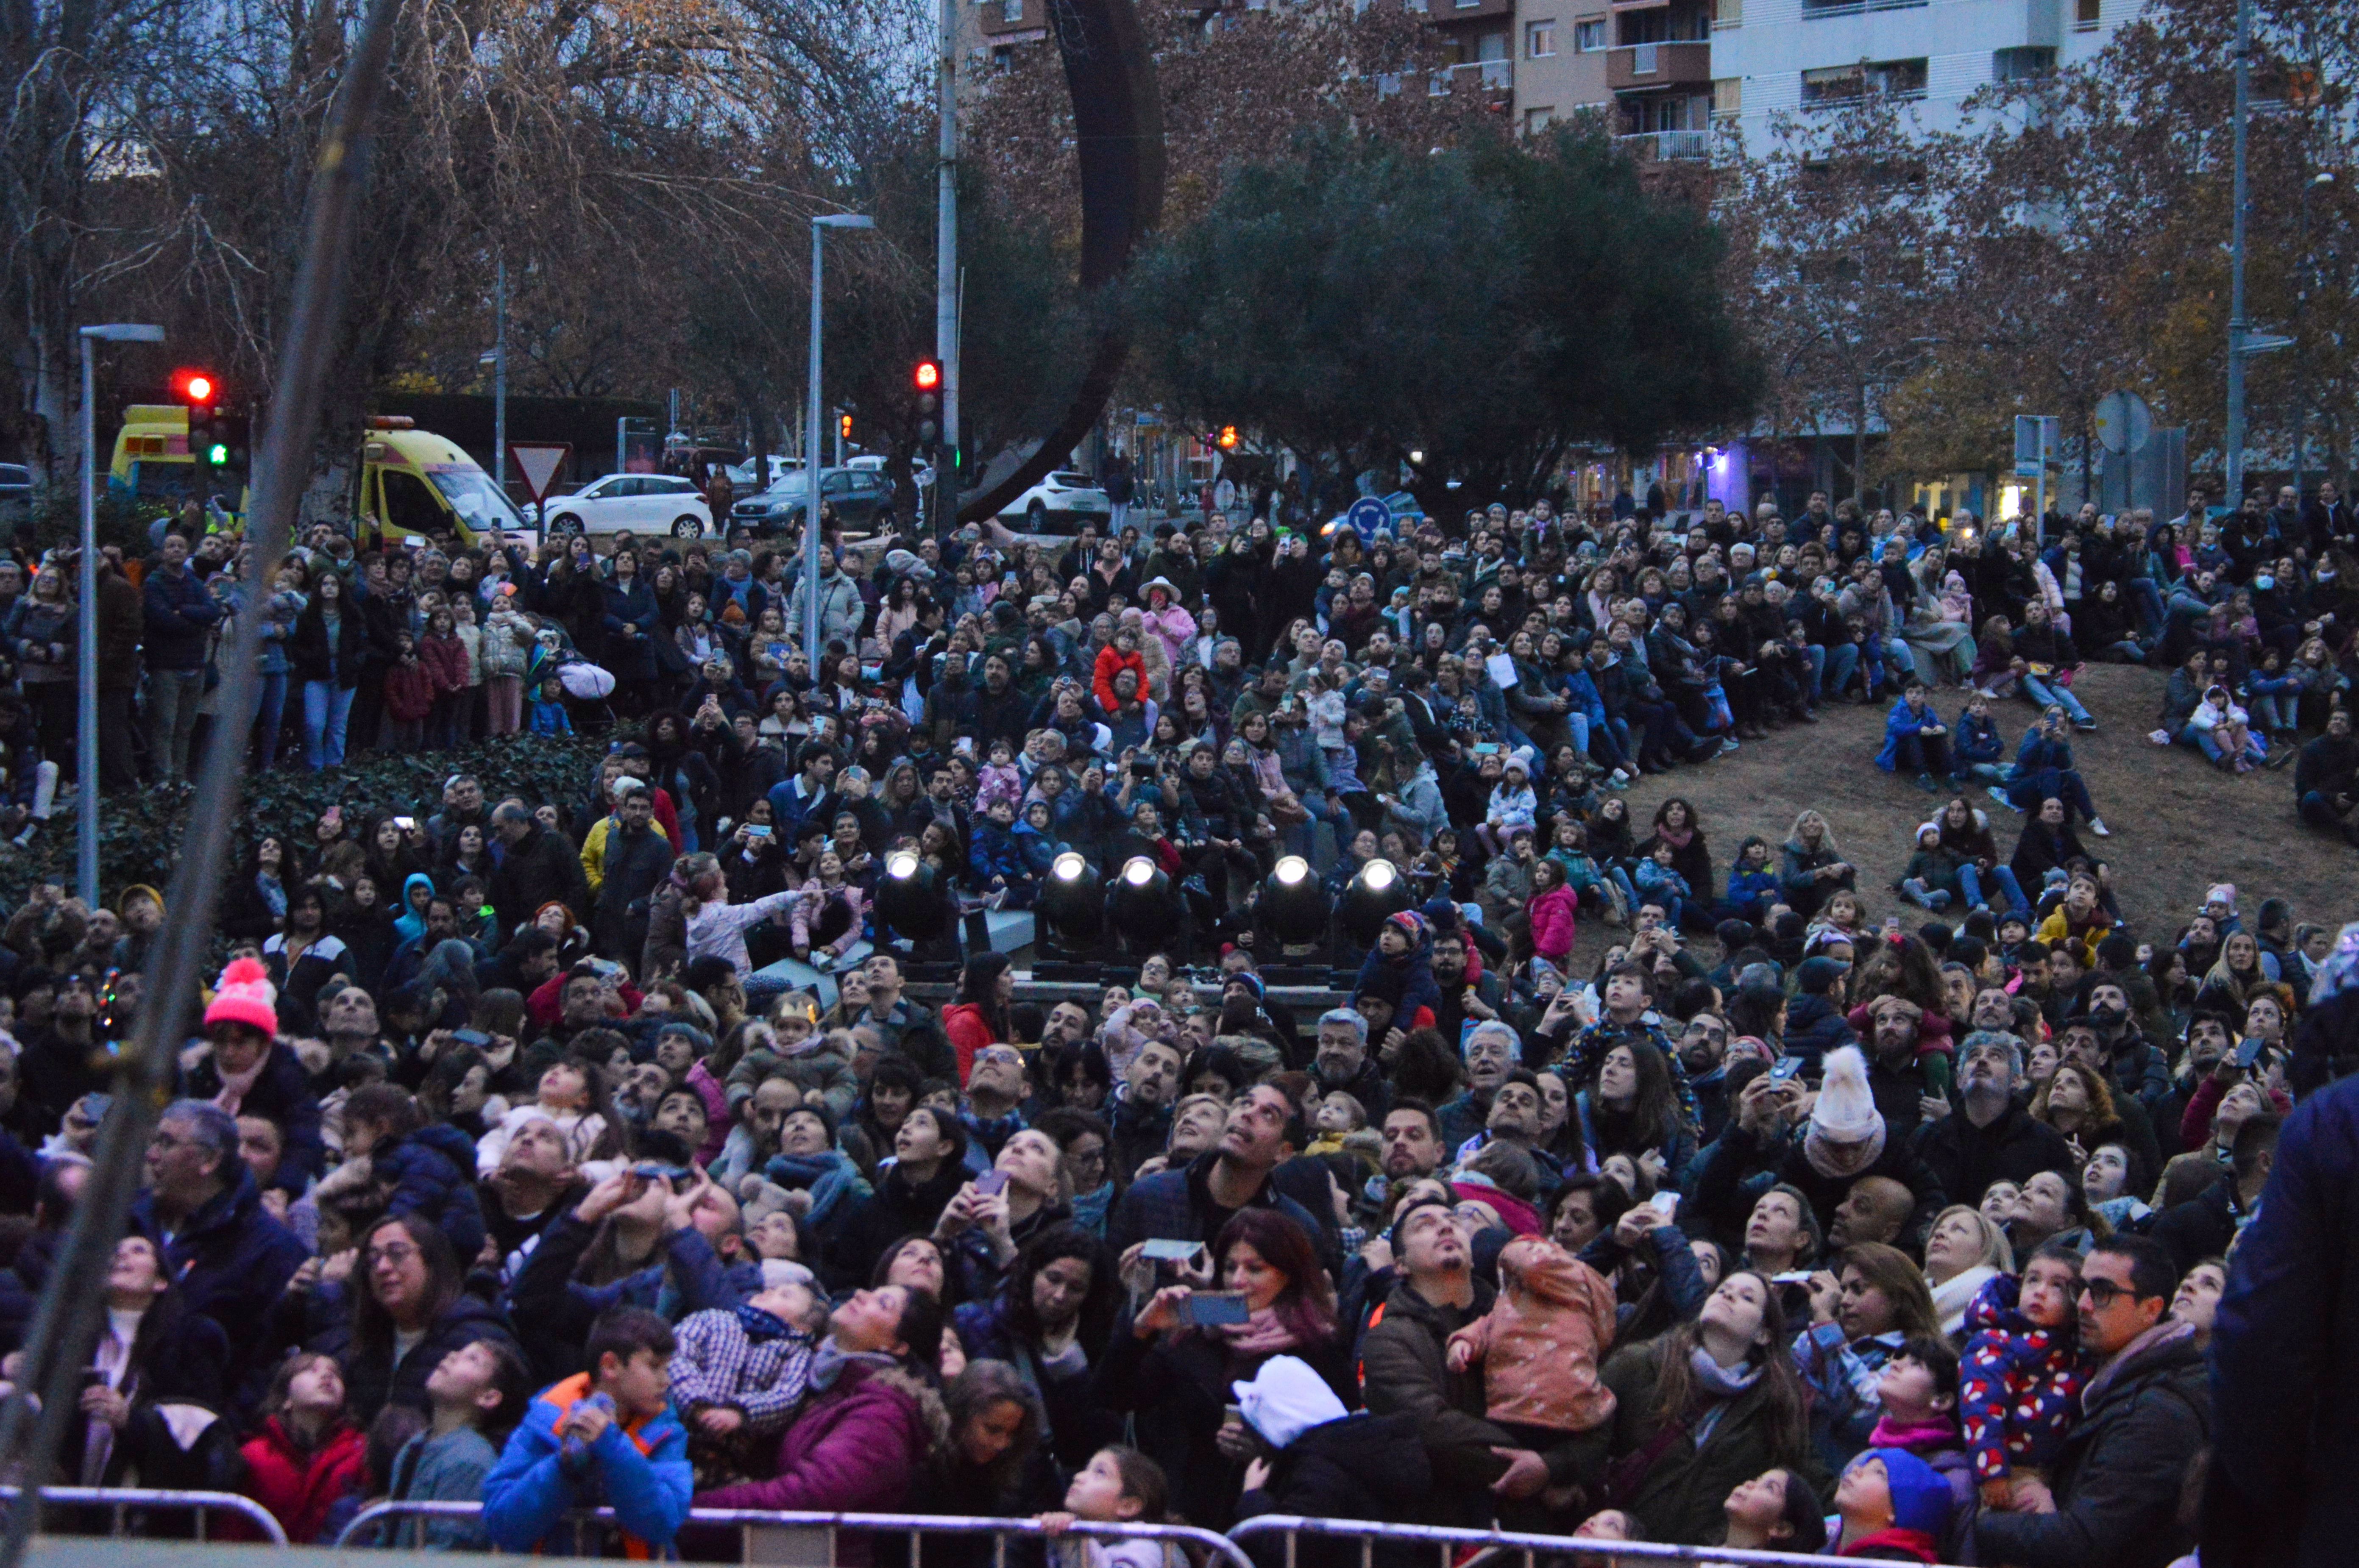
(859, 496)
(741, 475)
(633, 503)
(1069, 499)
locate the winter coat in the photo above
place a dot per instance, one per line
(539, 869)
(895, 1209)
(316, 657)
(1540, 1343)
(1898, 725)
(282, 1093)
(1359, 1467)
(373, 1379)
(631, 609)
(2118, 1478)
(853, 1449)
(2020, 1384)
(1551, 914)
(2285, 1381)
(431, 1173)
(1111, 662)
(445, 659)
(1737, 1167)
(641, 1472)
(1679, 1496)
(177, 613)
(969, 1031)
(299, 1486)
(554, 1310)
(508, 641)
(632, 868)
(451, 1468)
(408, 690)
(1965, 1159)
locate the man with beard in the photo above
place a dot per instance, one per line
(534, 1187)
(2134, 1065)
(1461, 1003)
(1875, 1209)
(1342, 1063)
(1994, 1137)
(637, 861)
(1893, 1025)
(1141, 1118)
(1245, 1009)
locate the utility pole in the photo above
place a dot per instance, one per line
(2233, 437)
(500, 372)
(946, 271)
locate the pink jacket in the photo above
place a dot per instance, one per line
(1540, 1344)
(1552, 914)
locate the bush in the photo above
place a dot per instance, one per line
(139, 833)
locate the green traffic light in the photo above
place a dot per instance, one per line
(217, 454)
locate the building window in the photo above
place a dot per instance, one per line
(1728, 14)
(1011, 10)
(1728, 95)
(1589, 35)
(2086, 15)
(1538, 119)
(1842, 84)
(1540, 39)
(2023, 64)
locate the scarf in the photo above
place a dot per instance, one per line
(1260, 1334)
(2168, 1331)
(1913, 1435)
(1952, 1298)
(1841, 1161)
(236, 1086)
(1678, 840)
(830, 1359)
(1090, 1209)
(1722, 1382)
(759, 1325)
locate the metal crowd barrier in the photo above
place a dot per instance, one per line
(1449, 1541)
(117, 1499)
(781, 1539)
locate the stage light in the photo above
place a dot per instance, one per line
(1142, 906)
(1292, 905)
(906, 900)
(1071, 913)
(1378, 891)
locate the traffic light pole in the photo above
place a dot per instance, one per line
(946, 333)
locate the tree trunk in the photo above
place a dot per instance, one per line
(1859, 446)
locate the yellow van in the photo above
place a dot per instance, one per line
(411, 482)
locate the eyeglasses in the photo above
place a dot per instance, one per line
(2102, 1293)
(396, 1255)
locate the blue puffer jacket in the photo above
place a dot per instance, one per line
(643, 1474)
(432, 1173)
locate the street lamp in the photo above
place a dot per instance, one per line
(820, 226)
(86, 742)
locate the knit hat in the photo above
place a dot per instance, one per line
(1248, 979)
(1921, 1497)
(1412, 926)
(1287, 1399)
(2222, 892)
(1846, 1112)
(244, 995)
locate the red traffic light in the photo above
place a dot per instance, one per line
(196, 387)
(1227, 439)
(929, 376)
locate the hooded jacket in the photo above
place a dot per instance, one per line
(1540, 1344)
(432, 1175)
(642, 1473)
(853, 1449)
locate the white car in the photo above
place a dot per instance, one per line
(633, 503)
(1067, 498)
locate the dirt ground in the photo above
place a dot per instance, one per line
(2179, 825)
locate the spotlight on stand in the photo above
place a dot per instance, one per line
(907, 902)
(1379, 890)
(1069, 921)
(1143, 906)
(1291, 904)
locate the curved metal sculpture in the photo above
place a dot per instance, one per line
(1118, 136)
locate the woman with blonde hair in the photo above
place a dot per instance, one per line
(1964, 1250)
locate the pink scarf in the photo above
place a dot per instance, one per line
(1913, 1435)
(236, 1086)
(1260, 1334)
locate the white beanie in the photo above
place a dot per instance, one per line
(1287, 1399)
(1846, 1109)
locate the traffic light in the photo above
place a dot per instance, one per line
(1227, 439)
(843, 426)
(929, 382)
(201, 391)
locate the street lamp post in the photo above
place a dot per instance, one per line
(812, 414)
(2303, 277)
(86, 741)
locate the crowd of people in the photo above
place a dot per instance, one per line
(1796, 1214)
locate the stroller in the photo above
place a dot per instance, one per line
(586, 686)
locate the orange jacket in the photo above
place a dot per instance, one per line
(1112, 661)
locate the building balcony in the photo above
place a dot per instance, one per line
(1641, 67)
(1668, 147)
(1486, 75)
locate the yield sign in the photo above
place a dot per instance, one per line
(538, 462)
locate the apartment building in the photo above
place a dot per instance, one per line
(1783, 57)
(1646, 65)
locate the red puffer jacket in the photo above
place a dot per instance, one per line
(1112, 661)
(299, 1487)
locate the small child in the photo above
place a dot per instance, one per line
(548, 715)
(1341, 1125)
(477, 1394)
(1752, 884)
(2024, 1373)
(740, 1374)
(408, 697)
(568, 1097)
(1978, 750)
(1931, 881)
(1658, 883)
(309, 1455)
(1000, 779)
(1118, 1486)
(1513, 802)
(1892, 1505)
(1919, 1392)
(1552, 913)
(1540, 1344)
(1400, 968)
(1776, 1511)
(602, 1437)
(827, 887)
(997, 860)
